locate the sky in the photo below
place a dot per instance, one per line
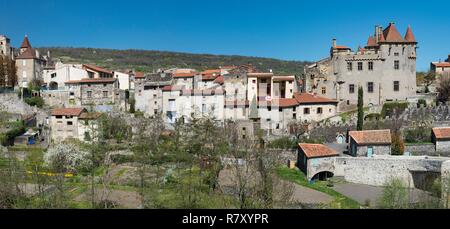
(288, 30)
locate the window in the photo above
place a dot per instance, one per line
(370, 87)
(396, 85)
(396, 54)
(269, 108)
(253, 81)
(154, 95)
(204, 108)
(24, 74)
(351, 88)
(349, 66)
(104, 85)
(324, 90)
(312, 77)
(319, 110)
(89, 94)
(72, 93)
(24, 62)
(396, 65)
(59, 116)
(69, 123)
(294, 109)
(280, 109)
(370, 66)
(305, 110)
(53, 75)
(105, 94)
(294, 116)
(360, 66)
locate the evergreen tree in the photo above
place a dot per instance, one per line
(2, 72)
(360, 123)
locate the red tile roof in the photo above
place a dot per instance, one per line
(409, 35)
(371, 42)
(211, 71)
(28, 54)
(96, 80)
(307, 98)
(25, 43)
(67, 111)
(278, 103)
(97, 68)
(219, 80)
(374, 137)
(260, 74)
(341, 47)
(442, 133)
(183, 75)
(441, 64)
(317, 150)
(391, 34)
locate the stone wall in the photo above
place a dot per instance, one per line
(380, 169)
(442, 146)
(445, 176)
(420, 149)
(317, 165)
(11, 103)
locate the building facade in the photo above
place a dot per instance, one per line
(73, 123)
(385, 68)
(369, 142)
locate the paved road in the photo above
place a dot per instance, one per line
(306, 195)
(362, 192)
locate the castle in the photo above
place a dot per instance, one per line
(385, 68)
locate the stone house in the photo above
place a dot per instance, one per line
(385, 68)
(5, 47)
(367, 143)
(92, 92)
(56, 78)
(441, 68)
(72, 123)
(316, 160)
(149, 93)
(30, 64)
(441, 138)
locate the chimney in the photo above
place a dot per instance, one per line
(334, 42)
(37, 53)
(377, 34)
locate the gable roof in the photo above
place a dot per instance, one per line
(441, 64)
(139, 75)
(317, 150)
(441, 133)
(307, 98)
(67, 111)
(373, 137)
(97, 68)
(391, 34)
(371, 42)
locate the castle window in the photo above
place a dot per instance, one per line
(396, 64)
(396, 54)
(319, 110)
(324, 90)
(370, 66)
(105, 94)
(349, 66)
(351, 88)
(370, 87)
(89, 94)
(360, 66)
(396, 85)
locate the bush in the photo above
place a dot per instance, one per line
(35, 101)
(390, 109)
(421, 101)
(395, 195)
(283, 143)
(418, 134)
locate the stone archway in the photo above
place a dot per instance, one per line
(323, 175)
(53, 85)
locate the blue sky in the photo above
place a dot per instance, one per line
(290, 30)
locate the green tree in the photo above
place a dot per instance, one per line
(360, 122)
(395, 195)
(443, 90)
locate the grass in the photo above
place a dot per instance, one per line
(340, 201)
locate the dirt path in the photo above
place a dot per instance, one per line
(310, 196)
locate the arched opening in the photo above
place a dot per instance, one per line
(323, 176)
(53, 85)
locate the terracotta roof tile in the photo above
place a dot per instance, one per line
(184, 75)
(28, 54)
(391, 34)
(67, 111)
(409, 35)
(380, 137)
(317, 150)
(371, 42)
(307, 98)
(441, 64)
(341, 47)
(139, 75)
(25, 43)
(442, 133)
(97, 68)
(219, 80)
(96, 80)
(260, 74)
